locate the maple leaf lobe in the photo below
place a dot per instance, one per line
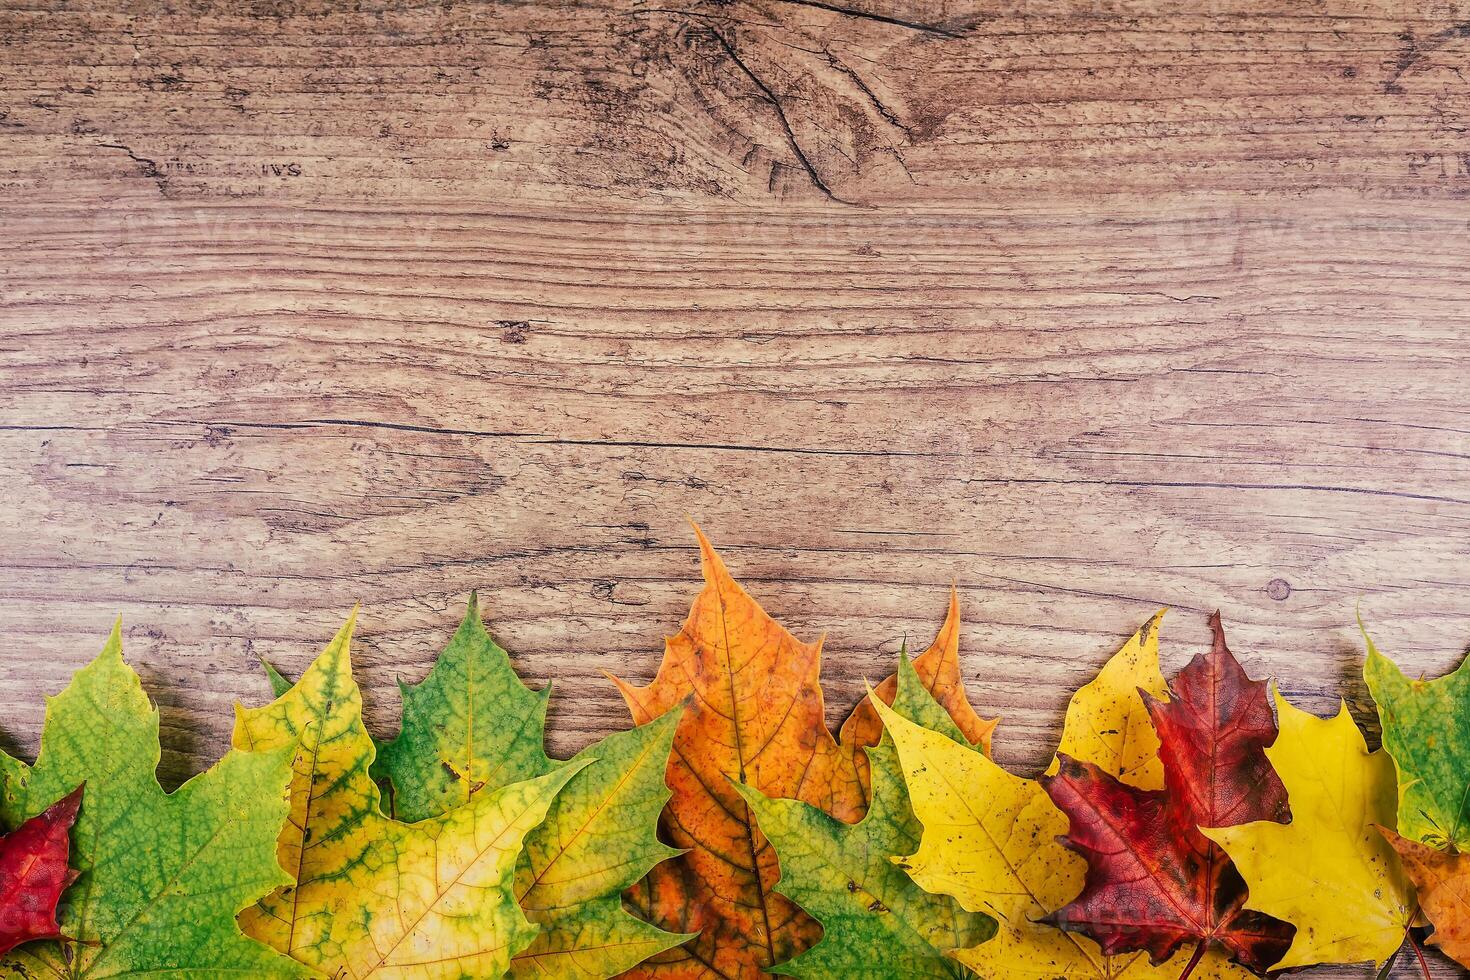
(163, 874)
(1327, 872)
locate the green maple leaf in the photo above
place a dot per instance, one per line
(162, 874)
(598, 840)
(875, 921)
(472, 727)
(1426, 729)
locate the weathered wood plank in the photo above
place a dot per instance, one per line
(1087, 309)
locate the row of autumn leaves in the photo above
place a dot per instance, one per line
(459, 849)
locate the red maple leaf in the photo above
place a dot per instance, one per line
(1154, 882)
(33, 873)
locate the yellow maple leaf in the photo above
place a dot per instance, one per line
(1328, 872)
(991, 838)
(375, 897)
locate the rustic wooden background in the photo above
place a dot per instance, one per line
(1088, 307)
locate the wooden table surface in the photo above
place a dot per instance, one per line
(1088, 307)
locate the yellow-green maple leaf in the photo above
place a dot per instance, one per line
(162, 874)
(990, 838)
(375, 897)
(1328, 872)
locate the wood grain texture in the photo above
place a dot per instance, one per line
(1088, 307)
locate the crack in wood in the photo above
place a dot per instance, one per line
(780, 110)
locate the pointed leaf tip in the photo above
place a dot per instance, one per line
(112, 646)
(1363, 630)
(1217, 631)
(712, 566)
(278, 681)
(66, 808)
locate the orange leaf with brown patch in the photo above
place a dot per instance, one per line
(1443, 881)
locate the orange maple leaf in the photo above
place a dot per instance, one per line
(755, 715)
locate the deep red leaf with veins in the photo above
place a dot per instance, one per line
(33, 874)
(1154, 882)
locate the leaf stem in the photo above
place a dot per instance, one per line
(1409, 935)
(1199, 953)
